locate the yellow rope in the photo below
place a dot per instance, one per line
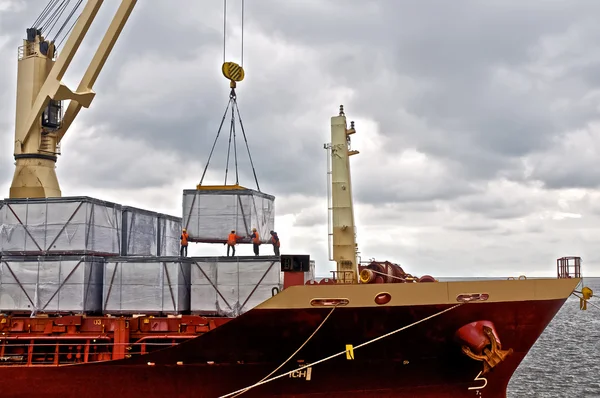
(341, 353)
(291, 356)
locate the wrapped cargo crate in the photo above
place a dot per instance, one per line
(211, 212)
(231, 286)
(169, 233)
(68, 284)
(310, 275)
(140, 232)
(68, 225)
(146, 285)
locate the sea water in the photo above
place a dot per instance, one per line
(565, 360)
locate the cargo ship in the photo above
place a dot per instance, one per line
(95, 298)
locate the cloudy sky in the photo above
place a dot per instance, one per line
(478, 122)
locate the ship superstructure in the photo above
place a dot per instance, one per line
(94, 295)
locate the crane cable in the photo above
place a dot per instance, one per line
(341, 353)
(50, 17)
(234, 76)
(225, 32)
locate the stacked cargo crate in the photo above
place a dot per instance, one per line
(55, 250)
(80, 255)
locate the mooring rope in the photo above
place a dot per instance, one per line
(291, 356)
(340, 353)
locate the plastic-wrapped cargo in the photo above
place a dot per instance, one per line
(67, 284)
(146, 285)
(169, 233)
(310, 275)
(140, 232)
(231, 286)
(61, 226)
(211, 212)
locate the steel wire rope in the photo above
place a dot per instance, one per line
(44, 13)
(295, 352)
(342, 352)
(232, 99)
(237, 177)
(224, 28)
(51, 20)
(225, 32)
(231, 127)
(67, 34)
(73, 10)
(215, 142)
(242, 61)
(246, 141)
(58, 16)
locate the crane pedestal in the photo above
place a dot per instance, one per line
(35, 177)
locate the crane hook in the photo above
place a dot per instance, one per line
(233, 72)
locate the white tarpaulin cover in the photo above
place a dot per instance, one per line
(74, 225)
(83, 225)
(169, 232)
(209, 215)
(146, 285)
(70, 284)
(232, 286)
(140, 228)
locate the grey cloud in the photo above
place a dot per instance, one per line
(479, 91)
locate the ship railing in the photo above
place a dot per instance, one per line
(343, 277)
(63, 350)
(568, 267)
(26, 50)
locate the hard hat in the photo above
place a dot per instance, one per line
(233, 231)
(184, 230)
(253, 229)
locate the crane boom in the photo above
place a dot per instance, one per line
(40, 92)
(343, 226)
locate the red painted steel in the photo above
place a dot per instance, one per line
(97, 338)
(422, 361)
(293, 279)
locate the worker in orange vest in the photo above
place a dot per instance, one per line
(184, 242)
(255, 241)
(275, 242)
(232, 241)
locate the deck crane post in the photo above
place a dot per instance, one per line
(342, 226)
(40, 126)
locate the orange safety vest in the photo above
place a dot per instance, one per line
(275, 242)
(184, 239)
(232, 239)
(256, 238)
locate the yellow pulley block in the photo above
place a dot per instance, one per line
(587, 294)
(233, 72)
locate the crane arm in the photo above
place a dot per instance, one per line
(54, 89)
(97, 63)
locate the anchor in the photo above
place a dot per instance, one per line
(482, 344)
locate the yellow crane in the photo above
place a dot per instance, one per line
(40, 123)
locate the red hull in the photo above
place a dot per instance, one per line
(262, 339)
